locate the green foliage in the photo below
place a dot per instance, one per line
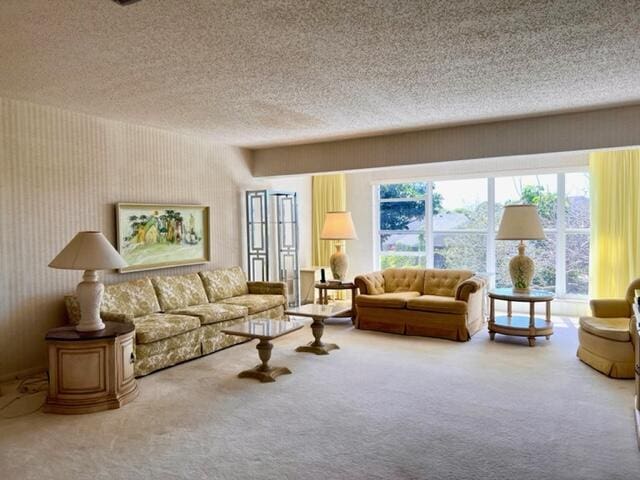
(402, 261)
(545, 201)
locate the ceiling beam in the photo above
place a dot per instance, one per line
(594, 129)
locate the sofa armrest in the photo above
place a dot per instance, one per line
(116, 317)
(370, 283)
(610, 308)
(268, 288)
(469, 286)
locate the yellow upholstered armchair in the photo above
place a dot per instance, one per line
(606, 339)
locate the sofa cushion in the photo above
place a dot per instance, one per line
(611, 328)
(224, 283)
(386, 300)
(437, 303)
(214, 312)
(179, 291)
(135, 297)
(255, 303)
(443, 282)
(371, 283)
(158, 326)
(403, 280)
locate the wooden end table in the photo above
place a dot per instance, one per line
(90, 371)
(264, 331)
(519, 325)
(319, 313)
(323, 296)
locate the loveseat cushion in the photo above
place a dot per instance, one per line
(255, 303)
(179, 291)
(610, 328)
(403, 280)
(224, 283)
(158, 326)
(386, 300)
(370, 283)
(214, 312)
(135, 297)
(443, 282)
(437, 303)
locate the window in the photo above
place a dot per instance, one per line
(578, 222)
(460, 224)
(402, 222)
(453, 224)
(542, 191)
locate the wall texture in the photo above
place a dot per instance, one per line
(62, 172)
(606, 128)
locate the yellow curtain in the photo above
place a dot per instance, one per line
(615, 222)
(329, 195)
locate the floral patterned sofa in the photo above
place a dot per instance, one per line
(180, 317)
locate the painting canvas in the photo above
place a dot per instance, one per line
(156, 236)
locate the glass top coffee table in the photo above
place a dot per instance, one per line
(319, 313)
(264, 331)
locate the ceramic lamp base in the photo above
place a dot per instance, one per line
(89, 293)
(339, 263)
(521, 269)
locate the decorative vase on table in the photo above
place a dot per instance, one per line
(521, 222)
(338, 226)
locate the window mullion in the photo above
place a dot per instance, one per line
(561, 238)
(491, 231)
(428, 224)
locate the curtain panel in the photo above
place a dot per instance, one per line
(615, 222)
(329, 195)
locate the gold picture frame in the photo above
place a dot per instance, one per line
(159, 235)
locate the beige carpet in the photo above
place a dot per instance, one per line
(381, 407)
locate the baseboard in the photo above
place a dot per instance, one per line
(22, 373)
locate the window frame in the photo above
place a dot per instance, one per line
(560, 230)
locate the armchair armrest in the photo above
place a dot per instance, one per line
(268, 288)
(116, 317)
(610, 307)
(469, 286)
(370, 283)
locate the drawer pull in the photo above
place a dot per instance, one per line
(132, 358)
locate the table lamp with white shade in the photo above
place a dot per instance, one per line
(89, 251)
(338, 226)
(520, 222)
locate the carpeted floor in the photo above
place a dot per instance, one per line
(381, 407)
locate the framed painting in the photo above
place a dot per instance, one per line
(154, 236)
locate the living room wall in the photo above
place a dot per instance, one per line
(62, 172)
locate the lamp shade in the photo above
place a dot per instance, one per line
(88, 251)
(338, 226)
(520, 222)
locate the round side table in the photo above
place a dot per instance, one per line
(323, 290)
(520, 325)
(90, 371)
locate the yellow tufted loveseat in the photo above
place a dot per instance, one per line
(430, 303)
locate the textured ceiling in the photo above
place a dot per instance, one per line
(255, 73)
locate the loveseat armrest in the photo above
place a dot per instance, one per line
(116, 317)
(469, 286)
(610, 308)
(268, 288)
(370, 283)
